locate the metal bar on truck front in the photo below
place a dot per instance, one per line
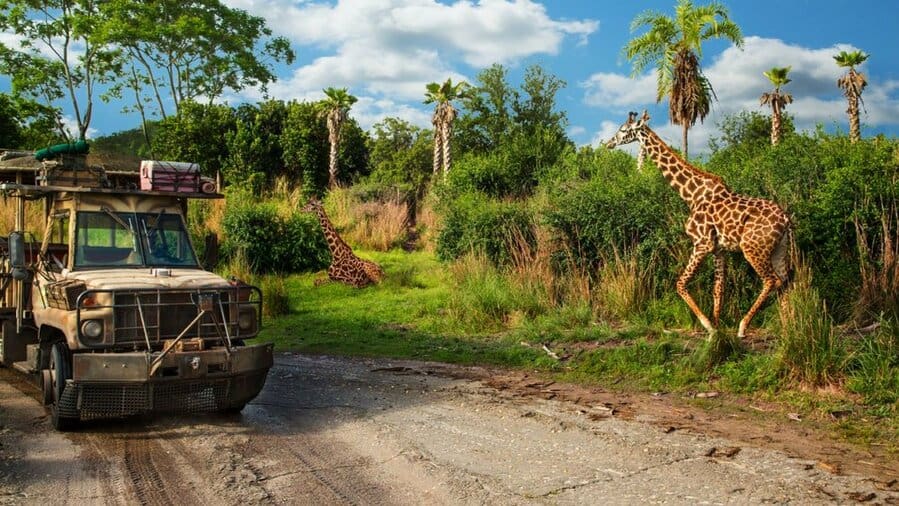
(143, 323)
(226, 323)
(157, 361)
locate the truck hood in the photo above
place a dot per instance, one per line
(125, 279)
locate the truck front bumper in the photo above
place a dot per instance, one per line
(111, 385)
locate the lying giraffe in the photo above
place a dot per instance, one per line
(345, 267)
(719, 220)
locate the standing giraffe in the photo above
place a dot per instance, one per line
(345, 266)
(719, 220)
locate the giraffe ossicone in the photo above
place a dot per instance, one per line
(345, 266)
(719, 220)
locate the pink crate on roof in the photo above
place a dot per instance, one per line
(158, 175)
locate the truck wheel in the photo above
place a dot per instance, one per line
(60, 371)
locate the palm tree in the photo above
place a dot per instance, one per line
(852, 84)
(444, 115)
(777, 100)
(335, 107)
(674, 46)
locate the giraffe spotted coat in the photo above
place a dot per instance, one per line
(345, 266)
(719, 220)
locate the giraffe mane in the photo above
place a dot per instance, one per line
(664, 145)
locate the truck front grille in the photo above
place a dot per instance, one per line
(158, 315)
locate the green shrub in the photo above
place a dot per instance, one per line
(873, 368)
(272, 243)
(475, 223)
(621, 210)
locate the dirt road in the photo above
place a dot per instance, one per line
(341, 431)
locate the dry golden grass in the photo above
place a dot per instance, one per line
(623, 289)
(879, 273)
(376, 225)
(34, 217)
(428, 224)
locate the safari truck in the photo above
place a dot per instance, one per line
(107, 305)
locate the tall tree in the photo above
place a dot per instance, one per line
(335, 108)
(674, 46)
(777, 100)
(60, 57)
(195, 134)
(190, 50)
(444, 115)
(852, 84)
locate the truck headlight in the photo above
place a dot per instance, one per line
(246, 320)
(92, 328)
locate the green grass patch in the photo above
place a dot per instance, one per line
(424, 310)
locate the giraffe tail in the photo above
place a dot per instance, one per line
(784, 256)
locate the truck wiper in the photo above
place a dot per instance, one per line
(118, 219)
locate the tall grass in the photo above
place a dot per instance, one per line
(34, 217)
(874, 366)
(486, 299)
(809, 351)
(376, 225)
(275, 295)
(623, 288)
(879, 273)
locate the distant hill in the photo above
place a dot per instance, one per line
(127, 142)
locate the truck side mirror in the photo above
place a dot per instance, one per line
(17, 256)
(17, 249)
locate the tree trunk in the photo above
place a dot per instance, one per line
(854, 127)
(775, 124)
(438, 148)
(686, 127)
(332, 166)
(447, 156)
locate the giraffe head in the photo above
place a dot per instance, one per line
(313, 205)
(629, 131)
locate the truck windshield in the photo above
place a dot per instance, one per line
(110, 239)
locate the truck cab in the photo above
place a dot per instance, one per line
(109, 306)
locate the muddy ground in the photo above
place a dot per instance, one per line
(346, 431)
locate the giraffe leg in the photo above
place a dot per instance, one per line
(770, 282)
(700, 251)
(718, 290)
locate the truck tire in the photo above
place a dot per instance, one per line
(60, 371)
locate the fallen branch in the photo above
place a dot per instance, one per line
(550, 352)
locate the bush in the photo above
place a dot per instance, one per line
(273, 243)
(809, 350)
(475, 223)
(621, 210)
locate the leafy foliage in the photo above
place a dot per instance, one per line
(519, 133)
(274, 243)
(476, 223)
(187, 136)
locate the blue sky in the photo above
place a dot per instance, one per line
(385, 51)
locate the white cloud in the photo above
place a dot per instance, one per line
(619, 91)
(70, 124)
(393, 48)
(738, 80)
(15, 42)
(368, 111)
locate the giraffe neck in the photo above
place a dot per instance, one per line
(335, 243)
(691, 183)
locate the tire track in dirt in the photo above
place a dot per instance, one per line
(135, 469)
(309, 469)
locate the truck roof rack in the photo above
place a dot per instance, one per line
(22, 174)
